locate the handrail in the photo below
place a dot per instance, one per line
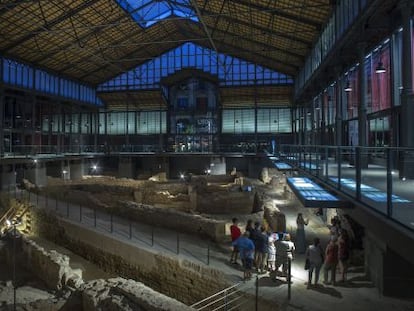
(221, 297)
(7, 214)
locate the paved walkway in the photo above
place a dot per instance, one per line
(356, 294)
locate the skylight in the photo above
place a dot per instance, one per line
(229, 70)
(149, 12)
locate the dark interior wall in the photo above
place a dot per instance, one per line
(240, 163)
(398, 276)
(195, 164)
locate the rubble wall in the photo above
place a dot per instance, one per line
(122, 294)
(50, 266)
(179, 278)
(176, 220)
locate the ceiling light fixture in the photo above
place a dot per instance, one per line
(348, 87)
(380, 67)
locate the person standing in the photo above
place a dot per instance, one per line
(235, 233)
(255, 236)
(249, 227)
(331, 261)
(343, 253)
(300, 233)
(271, 254)
(289, 251)
(246, 251)
(290, 246)
(261, 250)
(314, 254)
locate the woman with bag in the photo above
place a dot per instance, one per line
(314, 254)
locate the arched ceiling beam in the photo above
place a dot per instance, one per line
(263, 46)
(278, 12)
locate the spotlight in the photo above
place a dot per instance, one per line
(94, 167)
(403, 179)
(182, 176)
(348, 87)
(380, 68)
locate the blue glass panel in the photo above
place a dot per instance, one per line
(368, 191)
(310, 191)
(228, 69)
(147, 13)
(282, 166)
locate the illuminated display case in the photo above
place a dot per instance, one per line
(313, 195)
(282, 166)
(369, 192)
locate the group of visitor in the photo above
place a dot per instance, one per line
(260, 248)
(266, 251)
(336, 252)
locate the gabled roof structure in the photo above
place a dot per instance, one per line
(93, 41)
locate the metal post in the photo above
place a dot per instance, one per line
(56, 205)
(289, 277)
(225, 299)
(37, 198)
(67, 209)
(326, 163)
(389, 183)
(14, 267)
(47, 201)
(358, 175)
(178, 243)
(257, 293)
(80, 212)
(152, 236)
(208, 254)
(339, 161)
(112, 224)
(130, 230)
(94, 217)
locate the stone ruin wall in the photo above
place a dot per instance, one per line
(184, 280)
(115, 294)
(182, 222)
(157, 203)
(50, 266)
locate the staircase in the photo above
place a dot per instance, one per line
(17, 213)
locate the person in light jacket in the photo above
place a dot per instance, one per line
(314, 254)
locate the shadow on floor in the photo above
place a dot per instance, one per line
(268, 281)
(326, 290)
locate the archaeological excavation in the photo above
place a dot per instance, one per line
(122, 244)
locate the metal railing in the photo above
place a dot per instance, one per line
(231, 298)
(120, 227)
(379, 178)
(19, 151)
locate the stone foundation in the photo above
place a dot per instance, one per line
(122, 294)
(185, 280)
(50, 266)
(179, 221)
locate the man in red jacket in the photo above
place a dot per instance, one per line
(235, 234)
